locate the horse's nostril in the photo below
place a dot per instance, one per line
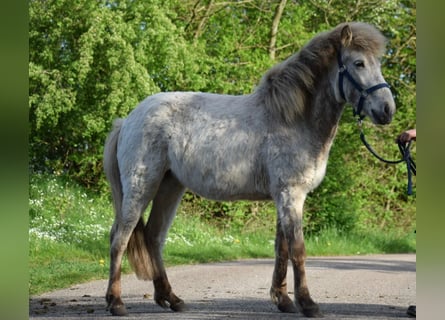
(387, 109)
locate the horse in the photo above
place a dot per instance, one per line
(271, 144)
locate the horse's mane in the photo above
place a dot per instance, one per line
(288, 87)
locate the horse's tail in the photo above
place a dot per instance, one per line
(111, 166)
(137, 251)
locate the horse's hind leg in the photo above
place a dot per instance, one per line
(127, 223)
(118, 244)
(161, 217)
(119, 238)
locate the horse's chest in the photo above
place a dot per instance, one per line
(301, 169)
(319, 172)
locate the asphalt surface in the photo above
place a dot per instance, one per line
(358, 287)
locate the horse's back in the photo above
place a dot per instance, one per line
(211, 143)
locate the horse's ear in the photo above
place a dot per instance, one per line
(346, 36)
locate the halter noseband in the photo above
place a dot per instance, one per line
(343, 71)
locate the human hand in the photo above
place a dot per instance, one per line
(407, 136)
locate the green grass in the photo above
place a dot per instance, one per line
(331, 242)
(58, 265)
(69, 231)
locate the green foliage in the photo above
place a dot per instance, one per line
(240, 215)
(93, 61)
(93, 65)
(63, 212)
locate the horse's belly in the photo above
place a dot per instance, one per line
(219, 194)
(223, 187)
(217, 178)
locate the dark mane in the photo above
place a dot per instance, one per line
(287, 88)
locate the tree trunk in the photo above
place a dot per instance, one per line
(274, 28)
(204, 19)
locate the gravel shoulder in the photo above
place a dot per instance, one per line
(346, 287)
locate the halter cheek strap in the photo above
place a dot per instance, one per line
(343, 72)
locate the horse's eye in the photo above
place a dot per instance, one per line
(359, 64)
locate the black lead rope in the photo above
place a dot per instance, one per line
(406, 157)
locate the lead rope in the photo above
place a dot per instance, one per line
(406, 157)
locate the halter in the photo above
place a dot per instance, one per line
(404, 148)
(343, 71)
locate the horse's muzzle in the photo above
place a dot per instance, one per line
(383, 116)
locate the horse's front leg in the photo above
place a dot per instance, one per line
(290, 217)
(278, 292)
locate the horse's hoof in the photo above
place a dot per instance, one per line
(179, 306)
(119, 310)
(116, 306)
(312, 312)
(288, 308)
(286, 305)
(172, 301)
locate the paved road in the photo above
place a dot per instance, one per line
(359, 287)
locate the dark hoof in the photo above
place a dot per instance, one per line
(286, 305)
(282, 300)
(179, 306)
(116, 306)
(312, 312)
(119, 310)
(171, 301)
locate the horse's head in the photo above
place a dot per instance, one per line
(360, 80)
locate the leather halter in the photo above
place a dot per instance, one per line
(343, 72)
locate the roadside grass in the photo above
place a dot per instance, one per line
(56, 265)
(332, 242)
(69, 235)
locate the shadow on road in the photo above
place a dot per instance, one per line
(346, 263)
(255, 309)
(365, 264)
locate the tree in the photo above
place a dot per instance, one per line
(90, 62)
(93, 61)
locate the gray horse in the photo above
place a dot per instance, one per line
(272, 144)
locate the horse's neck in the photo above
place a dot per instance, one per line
(324, 115)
